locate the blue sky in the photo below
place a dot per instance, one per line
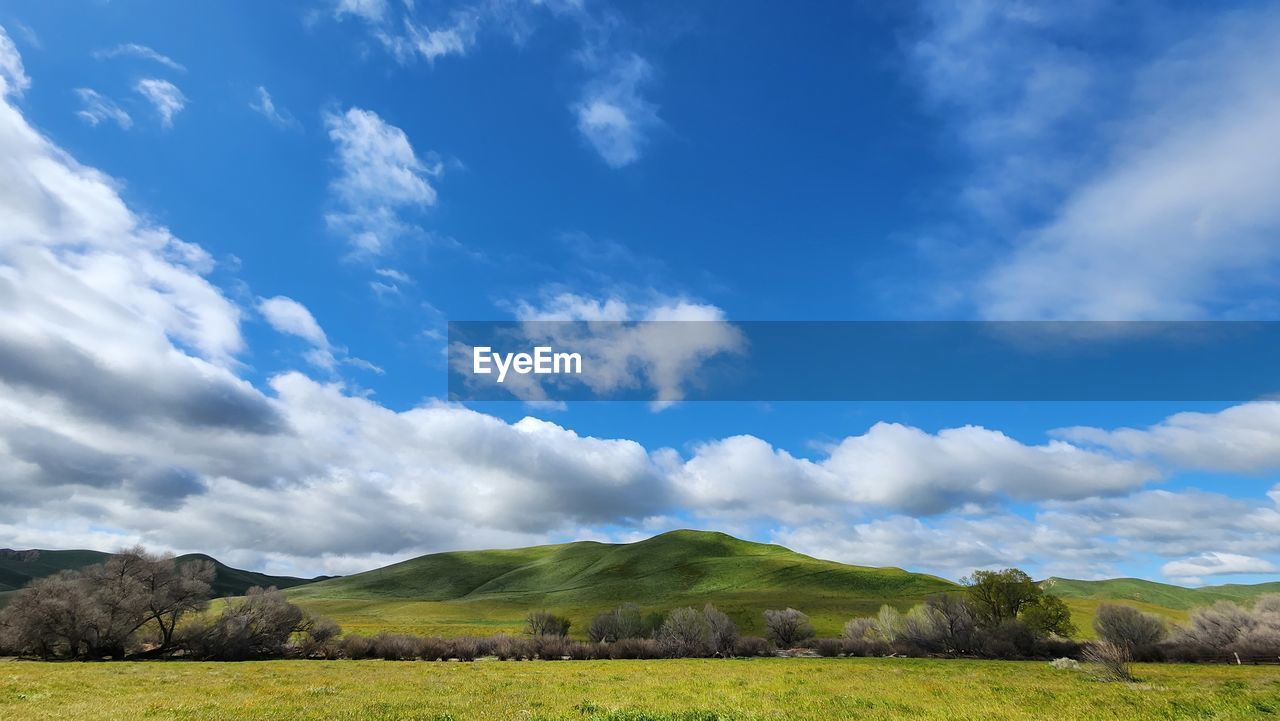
(278, 206)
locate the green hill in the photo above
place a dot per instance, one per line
(18, 568)
(1157, 594)
(483, 591)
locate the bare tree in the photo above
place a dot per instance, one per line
(787, 627)
(724, 632)
(545, 623)
(685, 633)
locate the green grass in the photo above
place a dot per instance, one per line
(487, 591)
(669, 690)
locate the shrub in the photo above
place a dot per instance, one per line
(753, 646)
(356, 647)
(924, 629)
(787, 627)
(434, 648)
(1218, 626)
(635, 648)
(1065, 664)
(463, 649)
(1048, 615)
(395, 647)
(1127, 626)
(1110, 661)
(1267, 604)
(545, 623)
(958, 622)
(865, 647)
(827, 647)
(551, 648)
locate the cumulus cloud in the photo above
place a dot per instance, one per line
(1241, 439)
(164, 96)
(139, 51)
(1191, 570)
(96, 108)
(380, 176)
(901, 468)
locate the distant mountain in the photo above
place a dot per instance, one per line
(1164, 595)
(18, 568)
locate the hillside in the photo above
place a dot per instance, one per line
(457, 591)
(17, 568)
(1163, 595)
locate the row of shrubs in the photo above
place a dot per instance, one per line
(1225, 631)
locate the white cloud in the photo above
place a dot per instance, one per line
(428, 43)
(266, 107)
(900, 468)
(164, 96)
(95, 108)
(613, 115)
(370, 10)
(380, 176)
(1118, 190)
(1192, 570)
(13, 78)
(289, 316)
(139, 51)
(1241, 439)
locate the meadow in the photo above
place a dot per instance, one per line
(675, 690)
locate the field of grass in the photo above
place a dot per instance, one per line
(692, 690)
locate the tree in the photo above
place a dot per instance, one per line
(956, 616)
(999, 596)
(787, 627)
(1127, 626)
(622, 622)
(685, 633)
(724, 632)
(545, 623)
(1048, 615)
(258, 626)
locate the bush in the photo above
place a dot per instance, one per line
(749, 646)
(551, 648)
(395, 647)
(356, 647)
(545, 623)
(1127, 626)
(1110, 661)
(633, 648)
(1218, 626)
(865, 647)
(827, 647)
(463, 649)
(1065, 664)
(787, 627)
(888, 623)
(434, 648)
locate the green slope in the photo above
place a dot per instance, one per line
(488, 590)
(18, 568)
(1157, 594)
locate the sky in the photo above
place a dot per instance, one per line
(232, 235)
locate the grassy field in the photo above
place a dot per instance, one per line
(692, 690)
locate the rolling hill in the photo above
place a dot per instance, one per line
(484, 591)
(17, 568)
(1163, 595)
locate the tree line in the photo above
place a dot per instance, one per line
(138, 604)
